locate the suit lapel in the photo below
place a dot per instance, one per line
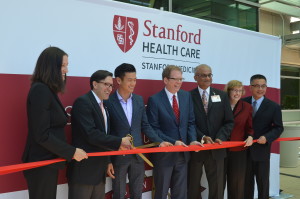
(134, 107)
(238, 108)
(60, 104)
(96, 107)
(116, 104)
(198, 100)
(181, 103)
(262, 107)
(166, 103)
(210, 103)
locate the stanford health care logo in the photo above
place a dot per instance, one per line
(125, 31)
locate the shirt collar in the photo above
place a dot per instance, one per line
(96, 97)
(259, 101)
(201, 90)
(169, 94)
(121, 98)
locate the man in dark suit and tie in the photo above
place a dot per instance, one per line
(214, 122)
(128, 116)
(267, 125)
(90, 131)
(170, 113)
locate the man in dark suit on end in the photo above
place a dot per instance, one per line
(128, 116)
(90, 131)
(267, 126)
(214, 122)
(170, 113)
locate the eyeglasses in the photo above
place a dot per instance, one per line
(263, 86)
(177, 79)
(204, 75)
(237, 91)
(107, 85)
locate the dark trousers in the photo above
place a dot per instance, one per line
(84, 191)
(42, 182)
(136, 174)
(235, 168)
(173, 177)
(261, 171)
(214, 170)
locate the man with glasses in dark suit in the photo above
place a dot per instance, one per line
(267, 125)
(90, 131)
(214, 122)
(170, 113)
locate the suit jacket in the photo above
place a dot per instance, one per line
(120, 126)
(88, 133)
(266, 122)
(217, 123)
(46, 121)
(242, 113)
(162, 119)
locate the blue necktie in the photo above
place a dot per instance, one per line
(254, 105)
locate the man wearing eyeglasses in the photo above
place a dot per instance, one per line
(267, 126)
(90, 131)
(214, 122)
(128, 116)
(170, 113)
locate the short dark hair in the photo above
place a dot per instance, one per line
(124, 68)
(48, 69)
(98, 76)
(257, 76)
(167, 71)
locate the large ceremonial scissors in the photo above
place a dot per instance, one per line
(142, 147)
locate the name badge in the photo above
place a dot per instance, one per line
(215, 98)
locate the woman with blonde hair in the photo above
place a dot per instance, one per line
(235, 164)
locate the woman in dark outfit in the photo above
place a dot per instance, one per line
(46, 121)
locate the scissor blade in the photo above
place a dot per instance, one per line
(145, 159)
(148, 145)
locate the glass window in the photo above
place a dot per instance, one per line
(159, 4)
(290, 87)
(227, 12)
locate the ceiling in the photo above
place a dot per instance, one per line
(287, 7)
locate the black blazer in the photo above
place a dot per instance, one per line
(217, 123)
(266, 122)
(46, 121)
(88, 133)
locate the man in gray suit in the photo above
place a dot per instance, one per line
(128, 116)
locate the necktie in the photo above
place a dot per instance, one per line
(104, 115)
(175, 108)
(204, 101)
(254, 105)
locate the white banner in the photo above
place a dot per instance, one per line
(102, 34)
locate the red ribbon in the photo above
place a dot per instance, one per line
(20, 167)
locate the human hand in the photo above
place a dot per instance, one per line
(110, 171)
(207, 140)
(218, 141)
(180, 143)
(125, 144)
(165, 144)
(80, 155)
(248, 141)
(262, 140)
(196, 143)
